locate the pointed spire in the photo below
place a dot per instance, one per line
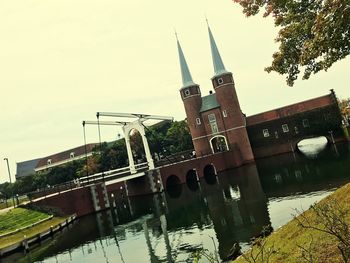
(219, 67)
(185, 72)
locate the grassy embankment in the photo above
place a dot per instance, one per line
(288, 240)
(21, 217)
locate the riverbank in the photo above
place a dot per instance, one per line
(294, 242)
(21, 227)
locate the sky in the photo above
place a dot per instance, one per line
(62, 61)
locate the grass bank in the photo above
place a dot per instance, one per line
(19, 218)
(296, 243)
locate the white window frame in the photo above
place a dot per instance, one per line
(306, 123)
(285, 128)
(224, 113)
(198, 121)
(266, 133)
(211, 117)
(214, 127)
(72, 155)
(220, 81)
(49, 161)
(187, 92)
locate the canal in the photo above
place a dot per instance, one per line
(211, 215)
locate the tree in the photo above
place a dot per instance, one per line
(344, 106)
(313, 34)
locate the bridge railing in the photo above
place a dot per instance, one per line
(109, 175)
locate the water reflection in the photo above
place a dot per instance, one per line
(168, 227)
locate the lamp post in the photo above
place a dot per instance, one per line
(8, 169)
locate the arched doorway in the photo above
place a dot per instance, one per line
(218, 144)
(192, 180)
(210, 174)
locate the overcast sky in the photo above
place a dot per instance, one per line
(62, 61)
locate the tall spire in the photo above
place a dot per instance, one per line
(185, 72)
(219, 67)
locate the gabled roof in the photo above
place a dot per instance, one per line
(26, 168)
(209, 102)
(62, 157)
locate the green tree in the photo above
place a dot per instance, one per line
(178, 137)
(313, 34)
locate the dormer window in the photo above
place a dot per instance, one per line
(71, 155)
(220, 81)
(48, 161)
(187, 92)
(198, 121)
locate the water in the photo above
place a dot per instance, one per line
(169, 227)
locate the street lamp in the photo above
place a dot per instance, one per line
(8, 169)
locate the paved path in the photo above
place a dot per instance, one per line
(5, 210)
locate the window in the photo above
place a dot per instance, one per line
(198, 121)
(276, 134)
(224, 113)
(266, 132)
(187, 92)
(220, 81)
(48, 161)
(71, 155)
(306, 123)
(285, 128)
(296, 130)
(212, 122)
(211, 118)
(214, 127)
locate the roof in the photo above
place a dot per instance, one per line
(185, 72)
(65, 155)
(292, 109)
(209, 102)
(219, 67)
(26, 168)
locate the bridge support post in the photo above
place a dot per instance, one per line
(146, 147)
(130, 157)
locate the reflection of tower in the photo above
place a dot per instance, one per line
(239, 209)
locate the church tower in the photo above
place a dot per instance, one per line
(233, 118)
(191, 97)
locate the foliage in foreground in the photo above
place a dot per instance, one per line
(320, 234)
(313, 34)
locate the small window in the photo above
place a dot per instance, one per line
(187, 92)
(198, 121)
(211, 118)
(266, 132)
(306, 123)
(48, 161)
(296, 130)
(71, 155)
(220, 81)
(276, 134)
(285, 128)
(214, 127)
(224, 113)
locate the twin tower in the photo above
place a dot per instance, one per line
(216, 121)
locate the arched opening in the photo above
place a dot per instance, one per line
(191, 180)
(173, 186)
(312, 147)
(218, 144)
(137, 147)
(210, 174)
